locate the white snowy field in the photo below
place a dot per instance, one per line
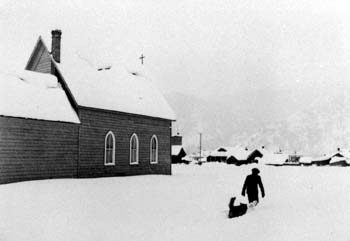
(301, 203)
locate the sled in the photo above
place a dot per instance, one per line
(241, 209)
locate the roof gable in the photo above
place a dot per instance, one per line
(176, 150)
(39, 49)
(42, 61)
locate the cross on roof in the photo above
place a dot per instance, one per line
(142, 57)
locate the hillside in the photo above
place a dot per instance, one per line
(314, 123)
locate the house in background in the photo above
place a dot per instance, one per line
(199, 157)
(234, 155)
(321, 161)
(305, 161)
(339, 161)
(241, 156)
(112, 121)
(272, 158)
(177, 155)
(339, 158)
(336, 158)
(220, 154)
(176, 140)
(177, 150)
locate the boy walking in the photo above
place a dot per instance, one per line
(251, 186)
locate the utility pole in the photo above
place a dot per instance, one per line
(200, 148)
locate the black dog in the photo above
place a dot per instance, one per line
(236, 211)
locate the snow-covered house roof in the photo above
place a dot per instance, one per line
(332, 156)
(273, 158)
(111, 86)
(220, 152)
(34, 95)
(305, 160)
(321, 158)
(337, 153)
(237, 152)
(339, 159)
(175, 150)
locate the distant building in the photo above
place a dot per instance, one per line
(339, 161)
(176, 140)
(305, 161)
(200, 157)
(218, 155)
(273, 158)
(177, 150)
(177, 155)
(339, 158)
(293, 159)
(234, 155)
(321, 161)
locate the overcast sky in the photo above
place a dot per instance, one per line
(205, 48)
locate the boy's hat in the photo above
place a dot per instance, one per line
(255, 170)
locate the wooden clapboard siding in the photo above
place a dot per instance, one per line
(40, 59)
(44, 63)
(37, 149)
(96, 124)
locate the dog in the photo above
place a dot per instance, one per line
(241, 209)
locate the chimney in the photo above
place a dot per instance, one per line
(56, 45)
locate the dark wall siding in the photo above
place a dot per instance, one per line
(37, 149)
(96, 124)
(176, 140)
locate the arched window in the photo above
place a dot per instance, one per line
(134, 150)
(154, 149)
(109, 149)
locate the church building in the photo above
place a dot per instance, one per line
(70, 119)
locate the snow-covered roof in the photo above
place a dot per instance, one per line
(237, 152)
(34, 95)
(337, 153)
(330, 156)
(187, 158)
(273, 159)
(175, 150)
(336, 159)
(221, 153)
(321, 158)
(203, 159)
(305, 159)
(114, 87)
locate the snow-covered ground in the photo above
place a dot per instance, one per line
(302, 203)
